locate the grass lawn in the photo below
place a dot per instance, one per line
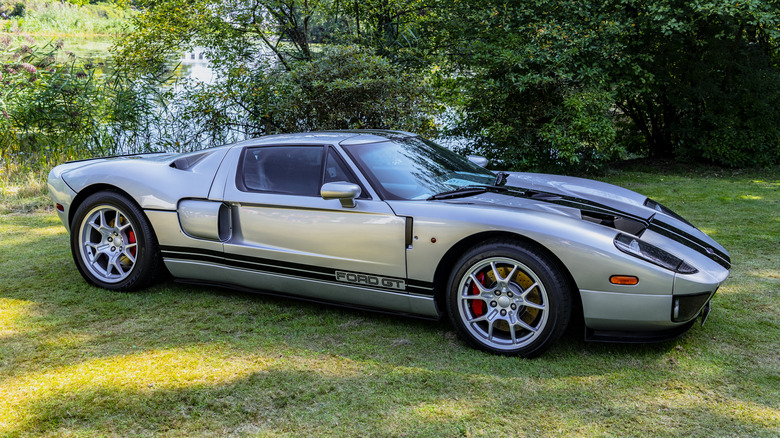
(186, 361)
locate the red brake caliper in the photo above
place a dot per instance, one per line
(478, 306)
(131, 239)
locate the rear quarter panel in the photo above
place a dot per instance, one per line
(153, 184)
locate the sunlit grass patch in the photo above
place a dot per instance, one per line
(11, 311)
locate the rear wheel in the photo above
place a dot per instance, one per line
(113, 244)
(509, 298)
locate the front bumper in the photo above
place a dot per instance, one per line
(632, 337)
(641, 337)
(634, 318)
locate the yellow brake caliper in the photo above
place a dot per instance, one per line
(527, 314)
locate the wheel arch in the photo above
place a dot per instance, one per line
(447, 263)
(150, 258)
(95, 188)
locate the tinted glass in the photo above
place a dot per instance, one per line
(336, 170)
(284, 169)
(415, 168)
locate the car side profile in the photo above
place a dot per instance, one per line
(389, 221)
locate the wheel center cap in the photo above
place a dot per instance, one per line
(117, 241)
(504, 301)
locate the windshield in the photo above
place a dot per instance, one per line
(415, 168)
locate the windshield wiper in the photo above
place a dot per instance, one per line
(465, 191)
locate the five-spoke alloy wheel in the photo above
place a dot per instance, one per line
(113, 244)
(509, 298)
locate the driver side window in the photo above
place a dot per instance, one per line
(291, 170)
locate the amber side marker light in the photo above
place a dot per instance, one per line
(625, 280)
(60, 207)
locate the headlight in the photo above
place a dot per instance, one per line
(653, 254)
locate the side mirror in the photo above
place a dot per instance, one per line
(341, 190)
(478, 160)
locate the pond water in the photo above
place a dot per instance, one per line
(193, 64)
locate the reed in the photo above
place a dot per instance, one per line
(57, 107)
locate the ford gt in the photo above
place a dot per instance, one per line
(390, 221)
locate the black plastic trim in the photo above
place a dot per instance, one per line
(409, 231)
(635, 337)
(690, 305)
(184, 163)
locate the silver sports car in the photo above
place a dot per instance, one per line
(390, 221)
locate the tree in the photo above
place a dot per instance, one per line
(269, 79)
(515, 81)
(688, 79)
(340, 88)
(247, 31)
(698, 79)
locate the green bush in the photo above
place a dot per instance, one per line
(12, 8)
(54, 111)
(581, 134)
(688, 80)
(340, 88)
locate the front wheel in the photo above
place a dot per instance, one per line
(508, 298)
(113, 244)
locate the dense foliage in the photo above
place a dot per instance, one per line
(340, 88)
(49, 17)
(677, 79)
(538, 84)
(269, 76)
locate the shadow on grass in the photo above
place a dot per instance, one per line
(289, 397)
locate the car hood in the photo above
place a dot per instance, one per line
(602, 203)
(581, 189)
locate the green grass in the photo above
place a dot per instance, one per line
(185, 361)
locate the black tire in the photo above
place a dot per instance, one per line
(520, 303)
(113, 244)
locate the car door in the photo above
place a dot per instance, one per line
(296, 241)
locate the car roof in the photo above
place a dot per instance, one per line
(346, 137)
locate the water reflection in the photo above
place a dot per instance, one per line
(96, 50)
(195, 65)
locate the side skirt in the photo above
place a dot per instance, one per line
(304, 288)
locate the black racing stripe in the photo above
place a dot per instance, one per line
(249, 266)
(299, 270)
(653, 224)
(250, 259)
(692, 238)
(419, 287)
(574, 202)
(692, 242)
